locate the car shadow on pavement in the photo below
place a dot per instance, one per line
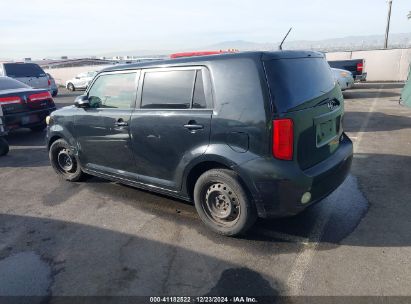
(378, 121)
(371, 209)
(78, 259)
(26, 137)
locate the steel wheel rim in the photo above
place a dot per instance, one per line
(221, 204)
(65, 161)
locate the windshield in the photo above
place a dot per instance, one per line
(16, 70)
(11, 84)
(298, 80)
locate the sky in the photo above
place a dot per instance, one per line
(47, 28)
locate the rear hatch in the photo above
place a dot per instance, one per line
(28, 73)
(303, 89)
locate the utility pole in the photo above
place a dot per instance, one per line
(388, 24)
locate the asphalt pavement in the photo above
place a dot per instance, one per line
(103, 238)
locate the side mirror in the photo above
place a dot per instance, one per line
(76, 77)
(82, 101)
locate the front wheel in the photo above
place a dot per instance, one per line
(64, 162)
(71, 87)
(4, 146)
(222, 203)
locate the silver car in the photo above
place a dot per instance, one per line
(80, 82)
(344, 78)
(28, 73)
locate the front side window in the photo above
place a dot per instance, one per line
(113, 91)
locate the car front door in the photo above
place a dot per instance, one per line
(171, 125)
(102, 129)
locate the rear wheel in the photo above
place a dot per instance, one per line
(222, 202)
(64, 162)
(4, 146)
(71, 87)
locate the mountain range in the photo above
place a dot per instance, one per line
(350, 43)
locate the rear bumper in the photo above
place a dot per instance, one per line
(362, 77)
(26, 119)
(277, 187)
(346, 83)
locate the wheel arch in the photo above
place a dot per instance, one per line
(195, 171)
(53, 139)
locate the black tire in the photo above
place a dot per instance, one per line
(4, 146)
(55, 93)
(61, 157)
(39, 128)
(71, 87)
(222, 202)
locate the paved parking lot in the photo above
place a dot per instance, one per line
(103, 238)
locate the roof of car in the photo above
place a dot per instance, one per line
(203, 59)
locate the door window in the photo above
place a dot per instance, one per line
(168, 89)
(113, 91)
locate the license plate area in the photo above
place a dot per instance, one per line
(326, 132)
(25, 120)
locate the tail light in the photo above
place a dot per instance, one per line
(360, 67)
(283, 139)
(39, 96)
(49, 82)
(9, 100)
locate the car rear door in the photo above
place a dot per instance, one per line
(171, 124)
(102, 130)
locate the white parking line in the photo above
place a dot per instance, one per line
(364, 124)
(306, 254)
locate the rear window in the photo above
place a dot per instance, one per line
(11, 84)
(16, 70)
(295, 81)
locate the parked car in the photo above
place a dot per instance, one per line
(355, 66)
(4, 145)
(53, 87)
(343, 78)
(28, 73)
(23, 106)
(242, 135)
(80, 82)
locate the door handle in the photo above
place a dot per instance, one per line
(121, 123)
(192, 126)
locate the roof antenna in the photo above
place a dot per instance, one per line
(281, 44)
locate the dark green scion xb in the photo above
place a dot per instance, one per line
(241, 135)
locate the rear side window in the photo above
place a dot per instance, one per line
(113, 91)
(199, 97)
(11, 84)
(16, 70)
(295, 81)
(168, 89)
